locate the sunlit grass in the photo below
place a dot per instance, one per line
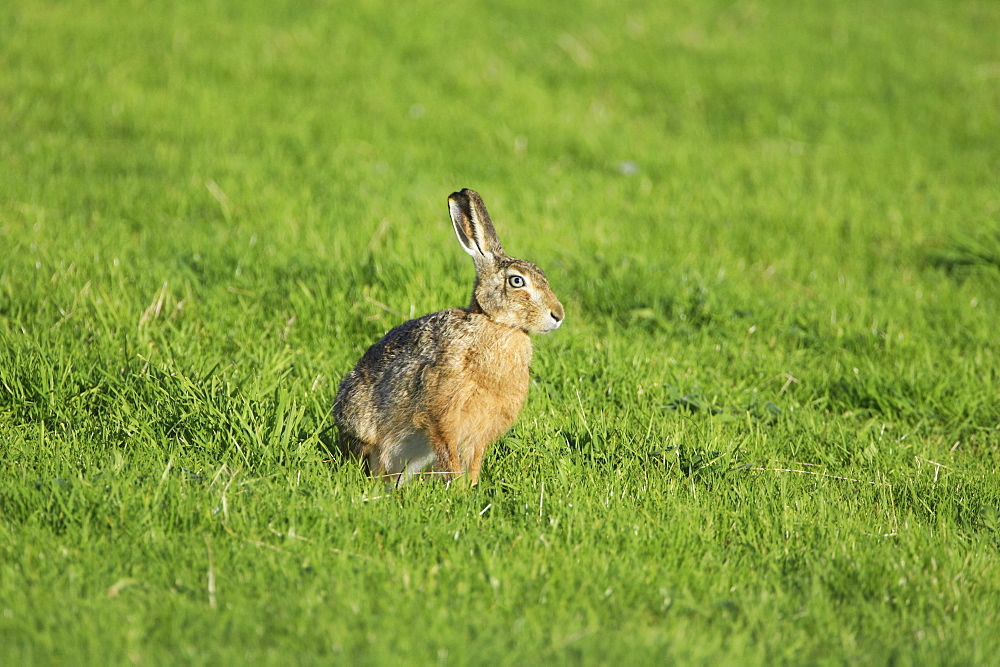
(768, 431)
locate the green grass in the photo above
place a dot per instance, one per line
(767, 433)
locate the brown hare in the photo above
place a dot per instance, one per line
(441, 388)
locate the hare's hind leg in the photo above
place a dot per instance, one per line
(351, 446)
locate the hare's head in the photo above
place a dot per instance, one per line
(507, 290)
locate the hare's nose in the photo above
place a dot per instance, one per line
(557, 313)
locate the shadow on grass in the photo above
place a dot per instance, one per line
(756, 410)
(630, 293)
(960, 256)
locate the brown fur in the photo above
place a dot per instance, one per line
(443, 387)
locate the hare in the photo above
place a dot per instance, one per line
(441, 388)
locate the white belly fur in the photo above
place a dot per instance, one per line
(408, 455)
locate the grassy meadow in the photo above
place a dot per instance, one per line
(767, 433)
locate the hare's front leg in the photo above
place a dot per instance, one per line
(445, 449)
(476, 462)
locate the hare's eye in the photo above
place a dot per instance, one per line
(515, 281)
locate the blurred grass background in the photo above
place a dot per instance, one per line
(776, 230)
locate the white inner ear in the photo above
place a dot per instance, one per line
(467, 243)
(479, 235)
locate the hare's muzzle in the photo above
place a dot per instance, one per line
(556, 316)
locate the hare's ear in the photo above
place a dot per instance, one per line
(473, 225)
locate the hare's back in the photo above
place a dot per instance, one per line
(415, 343)
(390, 369)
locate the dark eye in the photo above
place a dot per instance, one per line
(515, 281)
